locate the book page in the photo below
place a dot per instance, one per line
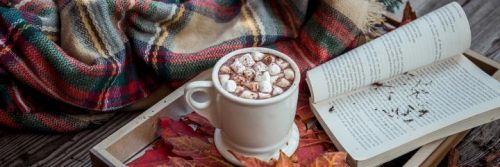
(388, 114)
(435, 36)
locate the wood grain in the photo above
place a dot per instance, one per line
(35, 149)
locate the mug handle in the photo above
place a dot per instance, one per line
(205, 108)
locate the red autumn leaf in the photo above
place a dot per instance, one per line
(197, 118)
(309, 152)
(408, 15)
(200, 151)
(303, 109)
(306, 154)
(188, 146)
(306, 133)
(304, 112)
(191, 144)
(330, 159)
(313, 134)
(158, 155)
(310, 148)
(203, 125)
(212, 158)
(301, 126)
(311, 142)
(322, 136)
(251, 161)
(172, 128)
(178, 162)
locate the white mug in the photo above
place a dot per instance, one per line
(252, 127)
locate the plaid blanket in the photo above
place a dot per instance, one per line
(63, 59)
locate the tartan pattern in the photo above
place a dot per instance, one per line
(66, 57)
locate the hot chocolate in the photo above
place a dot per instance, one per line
(256, 75)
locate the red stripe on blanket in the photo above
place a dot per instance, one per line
(53, 123)
(38, 7)
(213, 6)
(333, 26)
(7, 120)
(314, 48)
(210, 53)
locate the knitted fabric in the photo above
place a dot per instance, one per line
(64, 58)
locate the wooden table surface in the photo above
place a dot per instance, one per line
(36, 149)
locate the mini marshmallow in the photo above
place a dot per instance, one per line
(249, 95)
(276, 77)
(253, 86)
(239, 79)
(223, 78)
(274, 69)
(277, 90)
(289, 74)
(259, 67)
(257, 56)
(262, 77)
(268, 59)
(249, 73)
(239, 89)
(225, 70)
(282, 63)
(237, 66)
(247, 60)
(264, 95)
(230, 86)
(283, 83)
(265, 86)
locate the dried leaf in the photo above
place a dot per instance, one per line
(172, 128)
(453, 158)
(330, 159)
(300, 125)
(307, 154)
(304, 110)
(311, 145)
(158, 155)
(188, 146)
(285, 161)
(304, 113)
(311, 142)
(200, 151)
(408, 15)
(197, 118)
(322, 136)
(178, 162)
(204, 126)
(212, 158)
(190, 143)
(313, 134)
(251, 161)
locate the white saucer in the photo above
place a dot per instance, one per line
(288, 148)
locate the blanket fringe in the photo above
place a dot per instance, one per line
(376, 11)
(365, 14)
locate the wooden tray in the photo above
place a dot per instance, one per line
(131, 141)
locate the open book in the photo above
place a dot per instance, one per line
(405, 89)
